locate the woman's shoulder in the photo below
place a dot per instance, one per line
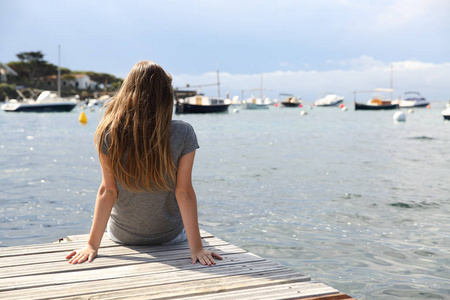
(181, 126)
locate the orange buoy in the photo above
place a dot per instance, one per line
(428, 106)
(300, 105)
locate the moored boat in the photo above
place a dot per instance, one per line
(202, 104)
(412, 99)
(446, 113)
(291, 101)
(253, 103)
(256, 103)
(329, 100)
(45, 102)
(376, 103)
(198, 103)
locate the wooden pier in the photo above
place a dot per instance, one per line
(157, 272)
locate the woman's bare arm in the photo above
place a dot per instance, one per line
(106, 197)
(187, 201)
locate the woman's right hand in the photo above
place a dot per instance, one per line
(85, 254)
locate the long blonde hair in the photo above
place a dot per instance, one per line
(135, 130)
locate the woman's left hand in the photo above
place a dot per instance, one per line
(205, 257)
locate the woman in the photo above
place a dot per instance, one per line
(146, 195)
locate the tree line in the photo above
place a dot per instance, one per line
(32, 69)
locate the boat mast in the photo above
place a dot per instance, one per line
(392, 82)
(59, 71)
(218, 82)
(260, 89)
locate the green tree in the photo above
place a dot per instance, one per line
(30, 57)
(32, 66)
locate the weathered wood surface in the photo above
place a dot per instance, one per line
(143, 272)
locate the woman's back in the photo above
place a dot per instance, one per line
(152, 217)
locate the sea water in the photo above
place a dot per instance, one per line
(350, 198)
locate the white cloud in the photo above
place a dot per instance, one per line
(363, 73)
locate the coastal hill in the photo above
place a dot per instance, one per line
(32, 71)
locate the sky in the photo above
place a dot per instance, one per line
(300, 47)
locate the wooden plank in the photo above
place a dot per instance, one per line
(154, 281)
(73, 275)
(53, 256)
(284, 291)
(201, 287)
(331, 297)
(63, 246)
(58, 266)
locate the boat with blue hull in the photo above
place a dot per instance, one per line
(38, 107)
(412, 99)
(47, 101)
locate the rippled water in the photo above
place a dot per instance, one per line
(351, 199)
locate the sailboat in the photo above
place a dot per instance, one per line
(47, 101)
(200, 103)
(253, 103)
(377, 102)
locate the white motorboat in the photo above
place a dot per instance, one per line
(329, 100)
(98, 102)
(47, 101)
(412, 99)
(446, 112)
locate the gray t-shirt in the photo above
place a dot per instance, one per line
(149, 218)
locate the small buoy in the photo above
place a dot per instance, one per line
(276, 105)
(235, 110)
(303, 113)
(341, 105)
(310, 107)
(300, 105)
(399, 116)
(344, 108)
(410, 111)
(428, 106)
(82, 118)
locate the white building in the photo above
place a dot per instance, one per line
(79, 81)
(83, 82)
